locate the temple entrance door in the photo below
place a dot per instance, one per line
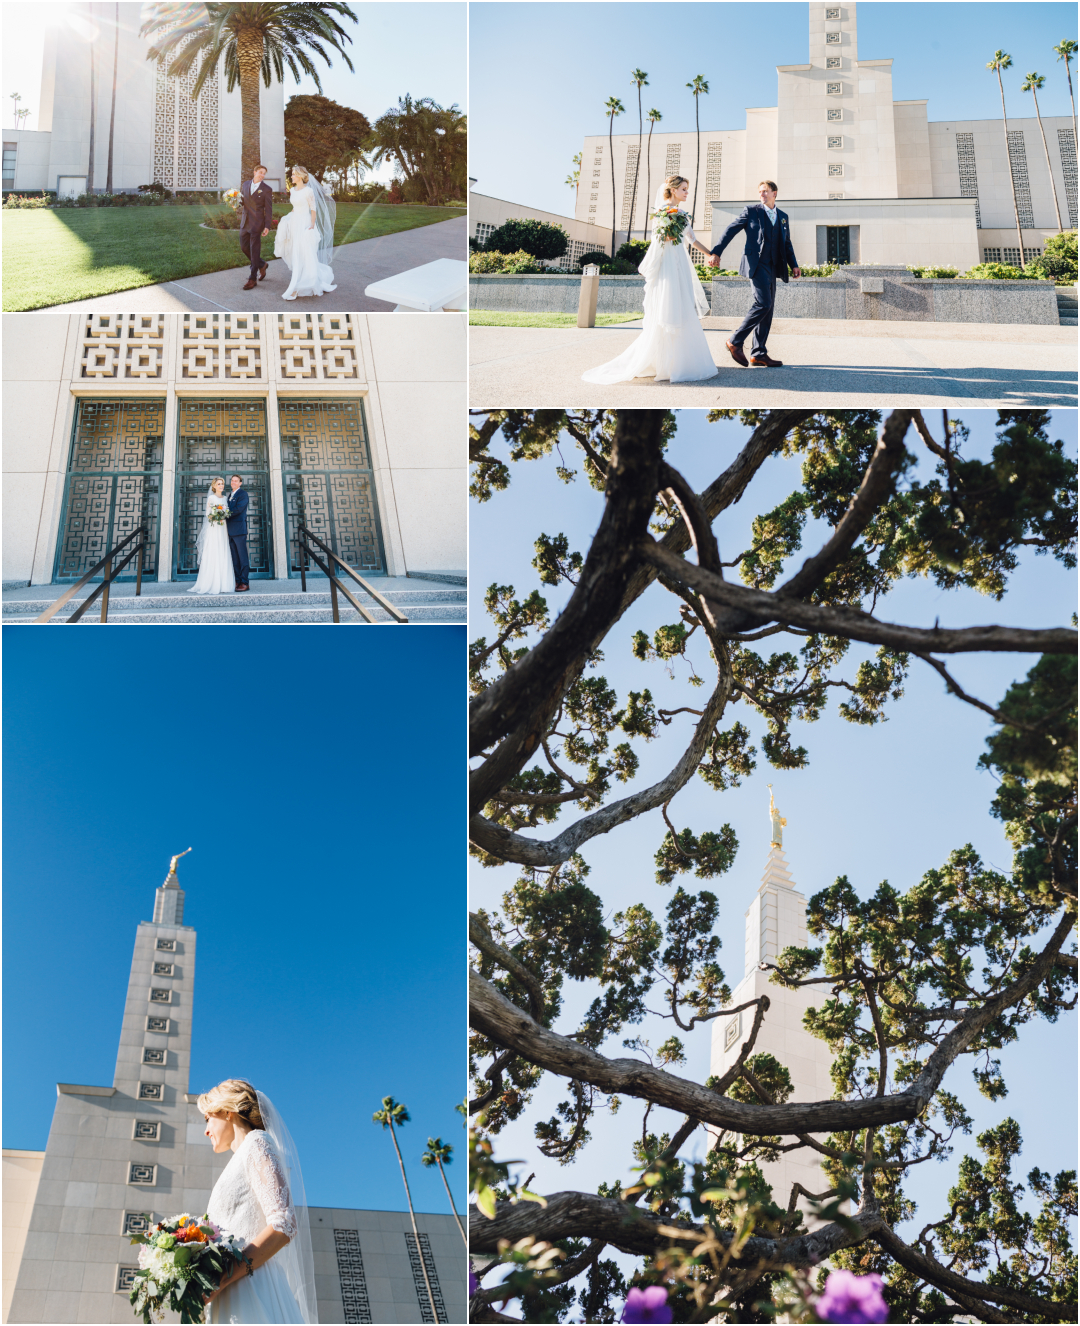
(838, 244)
(329, 483)
(222, 438)
(113, 484)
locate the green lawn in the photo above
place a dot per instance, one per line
(492, 318)
(51, 257)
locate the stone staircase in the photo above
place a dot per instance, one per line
(267, 603)
(1066, 302)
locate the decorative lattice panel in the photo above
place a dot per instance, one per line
(185, 131)
(1067, 148)
(969, 180)
(672, 157)
(217, 439)
(432, 1278)
(350, 1264)
(629, 185)
(713, 155)
(317, 347)
(1021, 183)
(123, 345)
(222, 347)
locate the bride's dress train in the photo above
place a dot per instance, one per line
(216, 573)
(672, 345)
(305, 249)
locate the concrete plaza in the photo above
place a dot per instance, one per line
(356, 266)
(837, 363)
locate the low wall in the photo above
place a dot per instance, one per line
(860, 292)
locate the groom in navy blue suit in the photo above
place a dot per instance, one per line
(768, 255)
(236, 524)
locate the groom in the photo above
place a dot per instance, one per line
(258, 203)
(768, 255)
(237, 527)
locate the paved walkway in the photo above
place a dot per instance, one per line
(827, 363)
(356, 266)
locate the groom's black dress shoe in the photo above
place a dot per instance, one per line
(250, 285)
(262, 272)
(763, 361)
(737, 354)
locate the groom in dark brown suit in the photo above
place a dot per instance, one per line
(258, 203)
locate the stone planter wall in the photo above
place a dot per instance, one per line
(554, 294)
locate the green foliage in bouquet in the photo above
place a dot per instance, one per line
(188, 1259)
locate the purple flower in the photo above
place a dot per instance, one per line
(474, 1284)
(852, 1298)
(647, 1305)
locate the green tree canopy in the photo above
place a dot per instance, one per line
(320, 132)
(540, 238)
(428, 144)
(913, 983)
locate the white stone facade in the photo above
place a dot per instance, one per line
(405, 374)
(158, 133)
(775, 920)
(836, 134)
(119, 1157)
(487, 215)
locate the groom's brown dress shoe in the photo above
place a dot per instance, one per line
(737, 354)
(763, 361)
(262, 272)
(250, 285)
(240, 588)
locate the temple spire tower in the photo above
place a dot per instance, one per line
(776, 920)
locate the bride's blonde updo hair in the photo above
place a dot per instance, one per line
(299, 170)
(236, 1096)
(672, 183)
(214, 483)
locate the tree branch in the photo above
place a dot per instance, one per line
(480, 936)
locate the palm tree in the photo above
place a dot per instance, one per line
(997, 64)
(1030, 84)
(639, 79)
(614, 107)
(93, 109)
(16, 97)
(574, 178)
(252, 41)
(427, 141)
(440, 1153)
(112, 108)
(390, 1114)
(1065, 50)
(654, 117)
(697, 87)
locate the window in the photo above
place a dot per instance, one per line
(156, 1058)
(832, 39)
(11, 151)
(161, 996)
(1012, 256)
(125, 1279)
(731, 1031)
(483, 230)
(150, 1091)
(832, 62)
(146, 1130)
(157, 1024)
(142, 1175)
(992, 255)
(832, 15)
(136, 1222)
(836, 195)
(834, 89)
(834, 114)
(163, 945)
(163, 969)
(835, 168)
(836, 140)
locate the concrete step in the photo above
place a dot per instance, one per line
(1066, 302)
(425, 616)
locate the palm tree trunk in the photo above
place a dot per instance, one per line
(648, 179)
(1072, 100)
(112, 108)
(249, 53)
(611, 154)
(1049, 168)
(93, 111)
(452, 1206)
(412, 1217)
(1012, 181)
(637, 166)
(697, 161)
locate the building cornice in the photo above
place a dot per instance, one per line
(70, 1089)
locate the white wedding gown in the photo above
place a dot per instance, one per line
(216, 574)
(672, 345)
(296, 243)
(252, 1193)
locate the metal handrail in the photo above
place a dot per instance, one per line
(103, 588)
(303, 534)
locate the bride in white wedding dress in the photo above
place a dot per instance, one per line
(259, 1198)
(305, 237)
(216, 574)
(672, 345)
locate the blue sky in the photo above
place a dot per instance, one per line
(387, 57)
(888, 802)
(530, 115)
(317, 776)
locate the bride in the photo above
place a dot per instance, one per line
(672, 345)
(259, 1198)
(305, 237)
(216, 574)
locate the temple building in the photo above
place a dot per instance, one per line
(100, 93)
(863, 178)
(118, 1158)
(347, 423)
(776, 920)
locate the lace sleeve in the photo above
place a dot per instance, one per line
(269, 1184)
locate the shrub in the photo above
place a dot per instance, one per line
(826, 269)
(995, 271)
(634, 250)
(618, 267)
(540, 239)
(1058, 260)
(156, 189)
(20, 200)
(594, 257)
(934, 273)
(505, 264)
(706, 274)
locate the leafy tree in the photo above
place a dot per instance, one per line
(252, 41)
(540, 238)
(1058, 259)
(633, 251)
(914, 980)
(320, 133)
(427, 144)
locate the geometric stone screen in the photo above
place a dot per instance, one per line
(350, 1264)
(142, 1174)
(969, 180)
(146, 1130)
(432, 1279)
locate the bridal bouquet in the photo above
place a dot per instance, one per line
(181, 1260)
(670, 224)
(233, 199)
(217, 515)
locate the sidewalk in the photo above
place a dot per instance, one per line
(356, 266)
(837, 363)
